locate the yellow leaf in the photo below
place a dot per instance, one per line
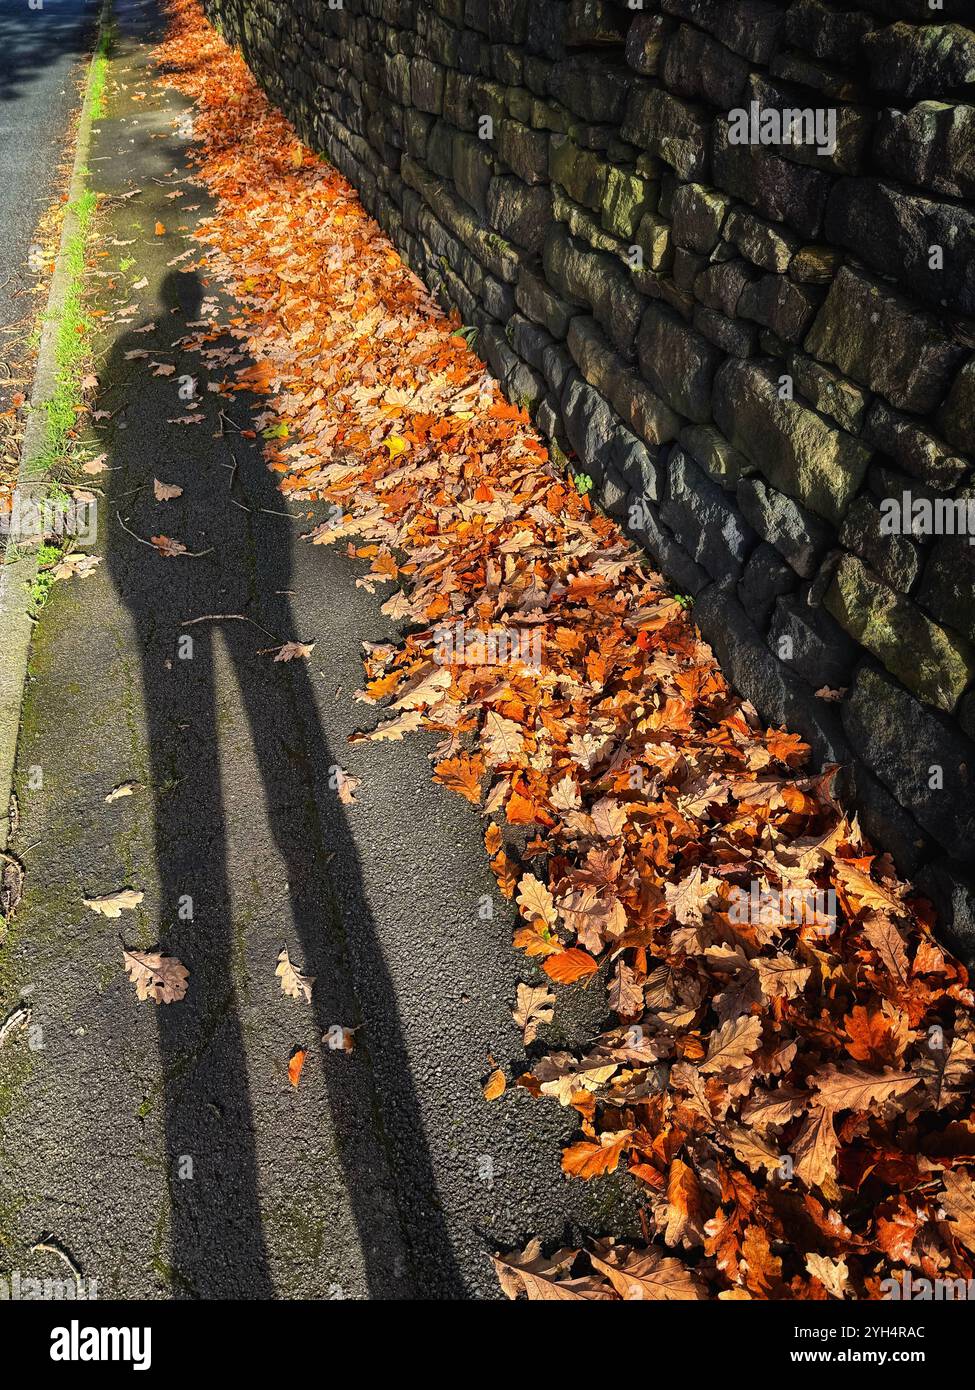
(495, 1085)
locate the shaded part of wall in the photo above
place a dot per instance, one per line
(724, 252)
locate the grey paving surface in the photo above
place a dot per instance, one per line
(40, 51)
(385, 1174)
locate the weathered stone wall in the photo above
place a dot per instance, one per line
(750, 348)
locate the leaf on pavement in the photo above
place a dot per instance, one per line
(122, 790)
(295, 1064)
(495, 1085)
(292, 651)
(168, 547)
(115, 903)
(165, 492)
(535, 1006)
(535, 900)
(163, 979)
(293, 982)
(568, 966)
(394, 729)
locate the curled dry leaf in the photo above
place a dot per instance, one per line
(338, 1038)
(168, 547)
(394, 729)
(346, 786)
(76, 566)
(115, 903)
(293, 982)
(495, 1085)
(292, 651)
(295, 1064)
(165, 492)
(122, 790)
(163, 979)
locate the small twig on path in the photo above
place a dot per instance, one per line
(183, 554)
(51, 1246)
(229, 618)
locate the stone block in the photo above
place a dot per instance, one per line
(812, 644)
(765, 244)
(521, 214)
(929, 660)
(908, 747)
(914, 449)
(677, 131)
(776, 187)
(698, 217)
(894, 557)
(931, 145)
(921, 60)
(801, 538)
(765, 578)
(894, 231)
(704, 518)
(776, 303)
(677, 362)
(524, 150)
(798, 451)
(883, 341)
(697, 66)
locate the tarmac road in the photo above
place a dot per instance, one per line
(39, 53)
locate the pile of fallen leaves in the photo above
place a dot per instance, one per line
(791, 1094)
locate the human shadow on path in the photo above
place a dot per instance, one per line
(231, 510)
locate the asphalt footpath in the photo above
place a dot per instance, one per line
(162, 1151)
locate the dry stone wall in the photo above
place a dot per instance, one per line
(724, 252)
